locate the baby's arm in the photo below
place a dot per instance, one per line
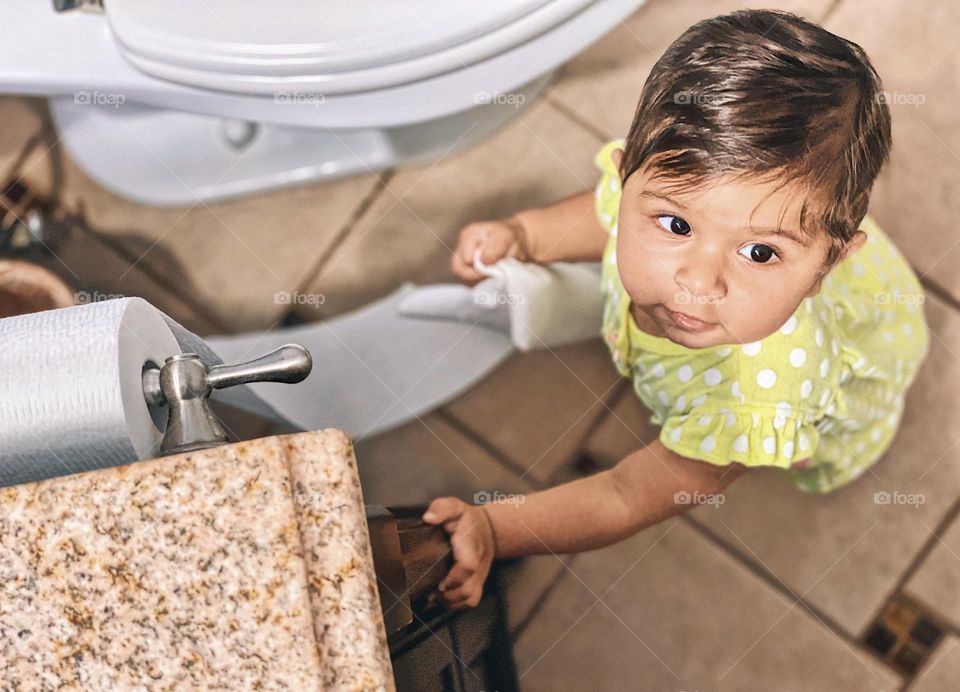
(582, 515)
(567, 231)
(605, 508)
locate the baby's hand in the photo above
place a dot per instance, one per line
(471, 535)
(495, 240)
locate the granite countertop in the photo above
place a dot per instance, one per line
(245, 566)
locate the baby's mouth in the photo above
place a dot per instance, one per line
(688, 323)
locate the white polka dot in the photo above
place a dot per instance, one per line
(699, 401)
(664, 399)
(770, 445)
(798, 357)
(708, 444)
(860, 447)
(751, 349)
(789, 325)
(824, 367)
(705, 420)
(818, 337)
(766, 378)
(724, 352)
(712, 377)
(740, 444)
(787, 450)
(685, 373)
(887, 336)
(675, 434)
(731, 419)
(735, 390)
(658, 370)
(614, 184)
(806, 388)
(859, 269)
(681, 402)
(907, 330)
(834, 346)
(804, 442)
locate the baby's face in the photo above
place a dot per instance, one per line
(707, 267)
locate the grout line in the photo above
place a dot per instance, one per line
(187, 298)
(773, 581)
(619, 390)
(917, 562)
(478, 440)
(25, 151)
(834, 6)
(578, 119)
(383, 178)
(939, 291)
(538, 604)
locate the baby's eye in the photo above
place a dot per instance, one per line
(759, 253)
(674, 224)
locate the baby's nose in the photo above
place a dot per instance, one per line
(702, 281)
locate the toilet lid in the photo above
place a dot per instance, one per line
(257, 47)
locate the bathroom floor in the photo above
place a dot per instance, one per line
(773, 588)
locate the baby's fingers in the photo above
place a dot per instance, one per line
(457, 576)
(469, 588)
(465, 271)
(444, 509)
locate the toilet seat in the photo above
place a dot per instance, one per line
(352, 47)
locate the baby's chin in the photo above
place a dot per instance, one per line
(714, 336)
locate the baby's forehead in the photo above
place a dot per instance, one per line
(735, 198)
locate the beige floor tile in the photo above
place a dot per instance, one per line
(537, 407)
(917, 54)
(22, 119)
(425, 459)
(625, 428)
(603, 84)
(679, 614)
(232, 256)
(942, 670)
(526, 580)
(97, 272)
(937, 583)
(845, 551)
(408, 233)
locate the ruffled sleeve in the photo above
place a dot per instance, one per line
(607, 193)
(757, 435)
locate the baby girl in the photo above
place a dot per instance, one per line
(760, 315)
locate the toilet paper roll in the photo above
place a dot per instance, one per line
(71, 394)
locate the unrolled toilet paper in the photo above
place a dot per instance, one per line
(71, 395)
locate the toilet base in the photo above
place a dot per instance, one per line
(174, 158)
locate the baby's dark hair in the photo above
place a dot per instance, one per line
(766, 93)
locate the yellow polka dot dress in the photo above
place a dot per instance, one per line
(821, 397)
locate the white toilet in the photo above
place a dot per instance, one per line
(171, 102)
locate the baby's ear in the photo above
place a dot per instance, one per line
(854, 244)
(617, 156)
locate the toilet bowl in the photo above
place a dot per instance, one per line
(185, 101)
